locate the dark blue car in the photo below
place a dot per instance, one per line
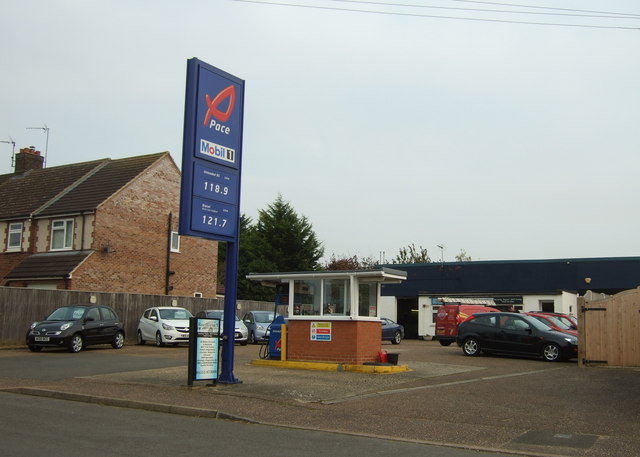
(392, 331)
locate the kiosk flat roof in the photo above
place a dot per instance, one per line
(385, 275)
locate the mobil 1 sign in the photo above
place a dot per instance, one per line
(212, 153)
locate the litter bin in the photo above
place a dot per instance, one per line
(392, 357)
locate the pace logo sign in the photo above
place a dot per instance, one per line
(212, 153)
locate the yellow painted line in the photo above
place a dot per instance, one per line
(323, 366)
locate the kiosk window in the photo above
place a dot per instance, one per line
(336, 299)
(307, 297)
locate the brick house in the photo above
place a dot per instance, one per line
(104, 225)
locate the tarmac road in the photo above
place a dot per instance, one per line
(510, 405)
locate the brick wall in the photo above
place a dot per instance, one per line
(134, 225)
(352, 342)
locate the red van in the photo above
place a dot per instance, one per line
(450, 316)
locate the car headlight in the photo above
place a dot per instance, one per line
(33, 325)
(65, 326)
(571, 339)
(167, 326)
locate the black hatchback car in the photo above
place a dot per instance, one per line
(513, 333)
(76, 327)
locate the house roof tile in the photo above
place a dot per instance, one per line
(49, 265)
(69, 188)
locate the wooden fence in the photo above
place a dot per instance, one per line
(609, 330)
(19, 307)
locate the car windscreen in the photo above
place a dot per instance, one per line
(67, 313)
(218, 315)
(264, 318)
(538, 323)
(174, 314)
(560, 323)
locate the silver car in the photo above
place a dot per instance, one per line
(258, 323)
(241, 333)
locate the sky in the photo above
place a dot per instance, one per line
(488, 132)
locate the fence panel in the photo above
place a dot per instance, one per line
(609, 330)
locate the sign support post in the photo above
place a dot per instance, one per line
(229, 326)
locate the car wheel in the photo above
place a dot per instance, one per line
(445, 343)
(471, 347)
(76, 343)
(551, 352)
(252, 338)
(397, 337)
(140, 339)
(159, 341)
(35, 348)
(118, 341)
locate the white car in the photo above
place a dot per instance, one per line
(241, 333)
(164, 324)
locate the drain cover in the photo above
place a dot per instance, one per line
(557, 439)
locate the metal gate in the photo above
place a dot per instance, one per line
(609, 330)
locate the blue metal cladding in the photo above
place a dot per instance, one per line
(607, 275)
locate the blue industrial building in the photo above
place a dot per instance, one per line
(530, 285)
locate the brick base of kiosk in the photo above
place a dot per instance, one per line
(352, 341)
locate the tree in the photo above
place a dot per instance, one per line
(350, 263)
(463, 256)
(410, 254)
(280, 241)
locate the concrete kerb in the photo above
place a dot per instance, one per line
(326, 366)
(133, 404)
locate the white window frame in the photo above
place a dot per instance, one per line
(13, 229)
(67, 234)
(175, 242)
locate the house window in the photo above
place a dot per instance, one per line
(175, 242)
(14, 238)
(62, 234)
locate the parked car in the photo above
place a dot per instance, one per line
(392, 331)
(512, 333)
(164, 324)
(76, 327)
(570, 321)
(554, 322)
(450, 316)
(258, 323)
(241, 333)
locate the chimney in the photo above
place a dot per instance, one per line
(28, 159)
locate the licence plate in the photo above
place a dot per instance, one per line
(184, 335)
(41, 338)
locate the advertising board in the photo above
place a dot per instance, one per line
(212, 153)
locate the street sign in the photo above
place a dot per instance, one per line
(211, 171)
(212, 153)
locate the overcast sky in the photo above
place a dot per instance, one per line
(384, 125)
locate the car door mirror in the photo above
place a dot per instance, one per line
(153, 318)
(89, 319)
